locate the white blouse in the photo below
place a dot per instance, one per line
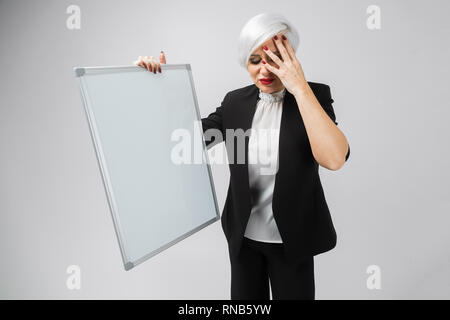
(262, 166)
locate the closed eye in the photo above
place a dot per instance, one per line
(268, 59)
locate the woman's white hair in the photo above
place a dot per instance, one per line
(261, 28)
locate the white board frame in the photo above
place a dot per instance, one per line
(80, 72)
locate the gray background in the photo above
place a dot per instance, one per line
(390, 202)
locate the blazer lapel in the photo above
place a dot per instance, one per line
(241, 114)
(289, 124)
(245, 110)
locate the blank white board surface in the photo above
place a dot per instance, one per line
(135, 119)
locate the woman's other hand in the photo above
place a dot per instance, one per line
(150, 63)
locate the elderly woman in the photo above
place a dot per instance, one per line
(275, 221)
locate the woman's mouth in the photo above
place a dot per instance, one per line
(266, 82)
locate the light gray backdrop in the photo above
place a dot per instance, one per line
(390, 202)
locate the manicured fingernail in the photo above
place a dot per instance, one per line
(263, 62)
(265, 48)
(284, 38)
(276, 38)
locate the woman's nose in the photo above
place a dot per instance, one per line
(265, 71)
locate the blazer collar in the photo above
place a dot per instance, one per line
(249, 99)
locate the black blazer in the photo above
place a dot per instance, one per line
(299, 206)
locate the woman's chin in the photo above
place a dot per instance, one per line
(269, 88)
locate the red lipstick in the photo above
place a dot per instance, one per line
(266, 81)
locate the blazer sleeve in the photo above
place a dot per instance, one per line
(326, 101)
(214, 122)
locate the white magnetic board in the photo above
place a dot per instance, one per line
(135, 119)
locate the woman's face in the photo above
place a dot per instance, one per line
(258, 70)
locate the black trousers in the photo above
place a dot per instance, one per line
(261, 262)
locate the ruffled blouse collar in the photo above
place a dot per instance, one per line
(272, 97)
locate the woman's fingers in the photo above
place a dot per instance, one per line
(162, 60)
(158, 67)
(150, 63)
(154, 64)
(162, 57)
(142, 62)
(139, 62)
